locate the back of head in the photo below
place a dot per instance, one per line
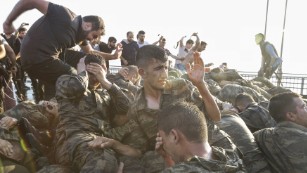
(185, 117)
(203, 43)
(149, 52)
(132, 69)
(242, 100)
(97, 23)
(281, 104)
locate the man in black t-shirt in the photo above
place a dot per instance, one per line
(108, 47)
(51, 34)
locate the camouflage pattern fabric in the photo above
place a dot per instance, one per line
(81, 120)
(253, 158)
(224, 161)
(230, 91)
(122, 83)
(31, 112)
(256, 117)
(143, 132)
(284, 146)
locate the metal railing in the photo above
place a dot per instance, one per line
(295, 82)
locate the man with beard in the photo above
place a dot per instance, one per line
(51, 34)
(108, 47)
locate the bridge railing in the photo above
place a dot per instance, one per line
(295, 82)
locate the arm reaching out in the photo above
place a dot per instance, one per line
(21, 7)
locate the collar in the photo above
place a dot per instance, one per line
(289, 124)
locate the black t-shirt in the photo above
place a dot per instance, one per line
(59, 29)
(103, 47)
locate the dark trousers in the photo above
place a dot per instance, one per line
(48, 72)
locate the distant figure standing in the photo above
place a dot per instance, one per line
(270, 59)
(130, 48)
(141, 39)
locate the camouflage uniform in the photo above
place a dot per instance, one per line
(84, 115)
(256, 117)
(284, 146)
(124, 84)
(229, 92)
(224, 161)
(25, 158)
(142, 136)
(253, 158)
(32, 113)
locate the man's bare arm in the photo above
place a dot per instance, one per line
(21, 7)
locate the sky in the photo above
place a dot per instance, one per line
(228, 26)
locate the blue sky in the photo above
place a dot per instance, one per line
(227, 26)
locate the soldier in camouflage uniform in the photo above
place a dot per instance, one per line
(255, 116)
(182, 140)
(285, 145)
(229, 92)
(127, 78)
(158, 93)
(84, 115)
(253, 158)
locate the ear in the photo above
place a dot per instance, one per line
(87, 26)
(174, 136)
(291, 116)
(142, 72)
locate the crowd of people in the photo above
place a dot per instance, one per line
(148, 116)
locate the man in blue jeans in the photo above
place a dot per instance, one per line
(270, 60)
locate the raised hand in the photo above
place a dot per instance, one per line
(196, 72)
(118, 51)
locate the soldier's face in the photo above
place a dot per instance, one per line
(155, 74)
(301, 112)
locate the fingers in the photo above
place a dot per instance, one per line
(120, 167)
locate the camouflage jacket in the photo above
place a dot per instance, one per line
(224, 161)
(141, 129)
(256, 117)
(121, 82)
(31, 112)
(92, 113)
(284, 146)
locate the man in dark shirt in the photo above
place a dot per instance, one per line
(130, 48)
(51, 34)
(108, 47)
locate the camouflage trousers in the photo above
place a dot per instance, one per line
(74, 152)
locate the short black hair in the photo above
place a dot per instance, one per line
(281, 104)
(141, 32)
(112, 39)
(97, 23)
(148, 52)
(93, 58)
(185, 117)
